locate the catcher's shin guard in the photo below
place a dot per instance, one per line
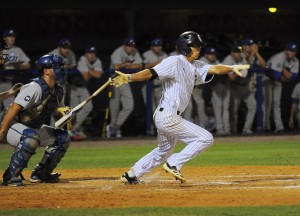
(52, 156)
(20, 157)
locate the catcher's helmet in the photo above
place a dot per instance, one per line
(186, 40)
(56, 62)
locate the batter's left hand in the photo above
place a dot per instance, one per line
(121, 79)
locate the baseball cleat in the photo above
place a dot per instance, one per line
(128, 180)
(173, 170)
(52, 178)
(14, 181)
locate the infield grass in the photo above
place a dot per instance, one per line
(234, 154)
(211, 211)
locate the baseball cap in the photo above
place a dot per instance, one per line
(129, 41)
(247, 42)
(210, 50)
(236, 48)
(291, 46)
(156, 42)
(9, 32)
(65, 43)
(91, 49)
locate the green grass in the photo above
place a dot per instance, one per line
(260, 153)
(211, 211)
(229, 154)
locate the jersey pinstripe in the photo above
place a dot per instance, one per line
(178, 79)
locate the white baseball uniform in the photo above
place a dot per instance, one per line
(178, 78)
(13, 56)
(272, 89)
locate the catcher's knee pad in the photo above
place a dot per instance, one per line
(29, 142)
(52, 155)
(62, 139)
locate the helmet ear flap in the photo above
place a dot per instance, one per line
(185, 51)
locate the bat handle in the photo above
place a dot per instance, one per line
(114, 75)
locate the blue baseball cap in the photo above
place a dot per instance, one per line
(156, 42)
(237, 49)
(247, 42)
(91, 49)
(9, 32)
(210, 50)
(65, 43)
(129, 41)
(291, 46)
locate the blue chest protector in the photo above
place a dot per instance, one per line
(41, 113)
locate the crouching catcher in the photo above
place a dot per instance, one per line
(23, 123)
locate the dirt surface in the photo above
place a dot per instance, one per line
(205, 186)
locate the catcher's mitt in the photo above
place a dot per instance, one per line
(60, 112)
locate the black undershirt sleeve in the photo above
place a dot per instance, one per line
(154, 74)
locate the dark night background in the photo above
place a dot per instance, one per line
(40, 24)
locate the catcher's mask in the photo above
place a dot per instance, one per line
(56, 62)
(186, 40)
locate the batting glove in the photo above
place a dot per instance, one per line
(62, 111)
(121, 79)
(240, 69)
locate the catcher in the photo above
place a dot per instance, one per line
(24, 127)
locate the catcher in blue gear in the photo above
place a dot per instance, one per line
(23, 124)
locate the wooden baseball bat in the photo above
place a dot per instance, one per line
(63, 120)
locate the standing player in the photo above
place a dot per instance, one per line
(21, 125)
(89, 66)
(124, 58)
(15, 59)
(64, 49)
(284, 68)
(240, 91)
(295, 107)
(152, 57)
(179, 74)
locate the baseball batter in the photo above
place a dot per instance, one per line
(22, 124)
(178, 74)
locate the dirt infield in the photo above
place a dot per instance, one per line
(205, 186)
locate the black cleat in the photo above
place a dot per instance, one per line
(128, 180)
(52, 178)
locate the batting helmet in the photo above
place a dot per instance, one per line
(56, 62)
(186, 40)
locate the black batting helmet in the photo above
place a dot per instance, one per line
(186, 40)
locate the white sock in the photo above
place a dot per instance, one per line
(131, 174)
